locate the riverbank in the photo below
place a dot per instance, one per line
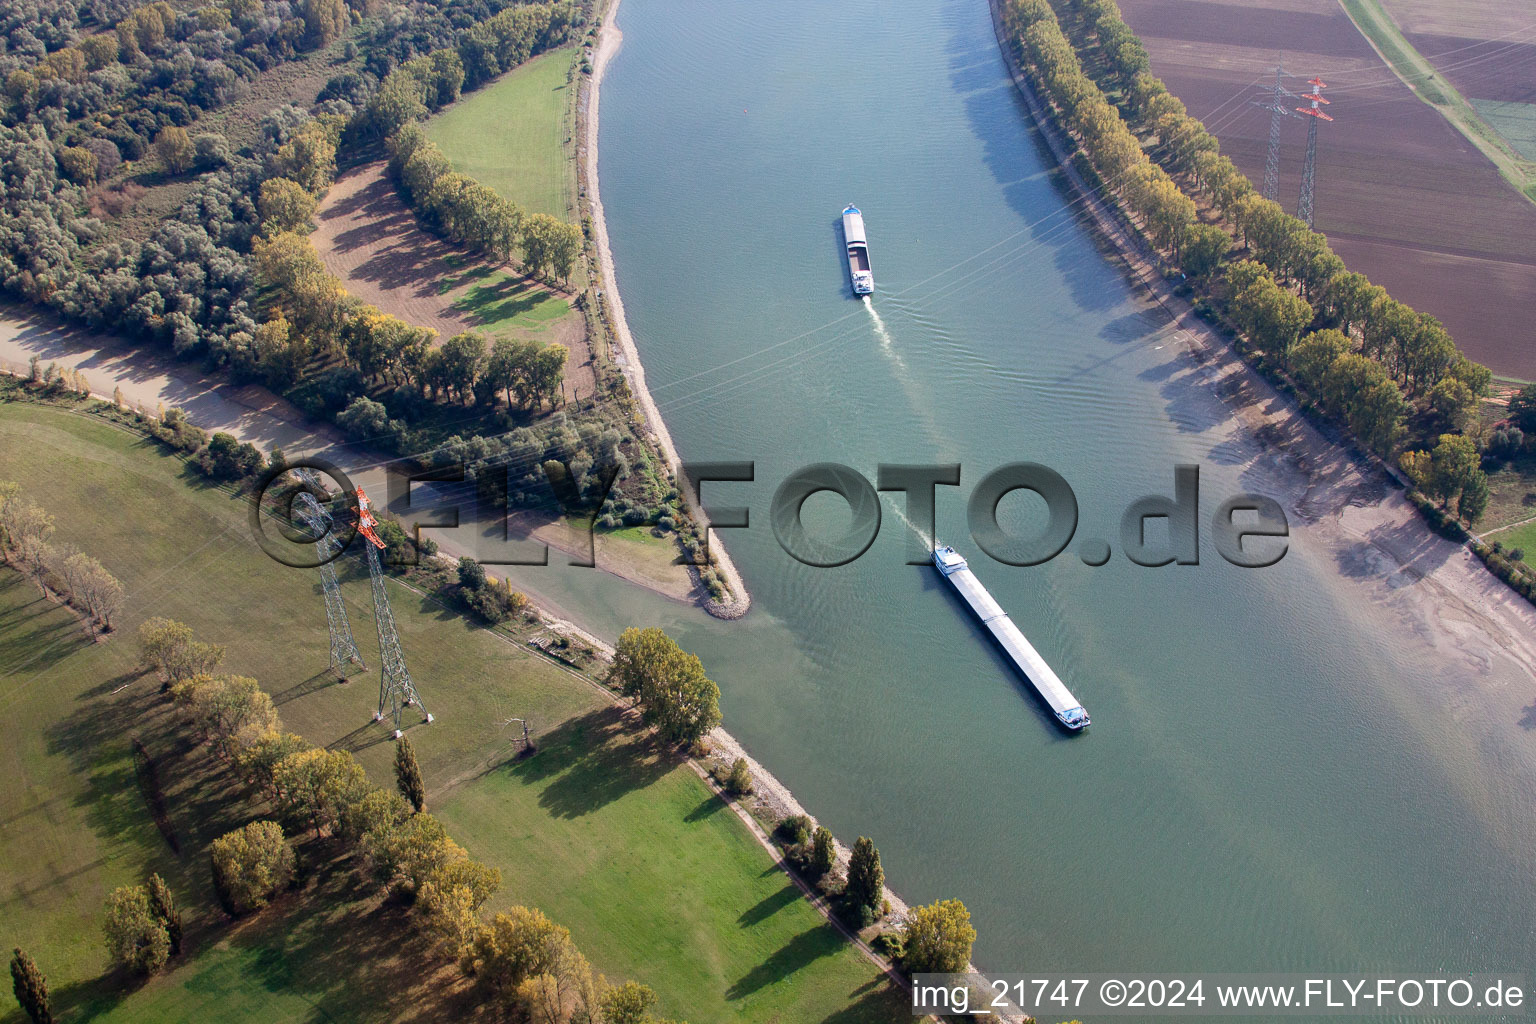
(1359, 509)
(609, 38)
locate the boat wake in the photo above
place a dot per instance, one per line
(882, 332)
(901, 513)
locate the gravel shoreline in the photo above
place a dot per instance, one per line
(609, 38)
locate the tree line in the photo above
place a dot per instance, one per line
(114, 95)
(934, 938)
(463, 210)
(1384, 370)
(63, 569)
(194, 287)
(518, 958)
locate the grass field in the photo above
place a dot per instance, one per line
(1515, 121)
(512, 135)
(1522, 537)
(605, 833)
(501, 305)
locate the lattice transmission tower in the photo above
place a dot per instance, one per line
(1314, 114)
(343, 647)
(396, 689)
(1279, 110)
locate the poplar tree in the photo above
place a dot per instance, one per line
(31, 988)
(823, 852)
(408, 774)
(866, 879)
(162, 902)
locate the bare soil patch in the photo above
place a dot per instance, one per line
(1484, 69)
(1402, 196)
(369, 239)
(1485, 19)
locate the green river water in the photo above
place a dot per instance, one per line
(1283, 773)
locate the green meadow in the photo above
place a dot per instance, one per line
(512, 134)
(610, 835)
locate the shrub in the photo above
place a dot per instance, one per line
(890, 945)
(794, 829)
(471, 574)
(739, 781)
(832, 885)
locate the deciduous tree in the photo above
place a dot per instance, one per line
(1204, 248)
(251, 865)
(629, 1003)
(284, 205)
(228, 712)
(174, 149)
(667, 682)
(168, 647)
(938, 938)
(1452, 468)
(135, 937)
(162, 902)
(516, 945)
(319, 785)
(1522, 408)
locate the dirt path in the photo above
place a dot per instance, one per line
(369, 239)
(252, 413)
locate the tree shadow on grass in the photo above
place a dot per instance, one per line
(800, 952)
(492, 303)
(200, 797)
(31, 639)
(107, 687)
(591, 761)
(86, 1000)
(351, 954)
(769, 905)
(880, 1003)
(711, 806)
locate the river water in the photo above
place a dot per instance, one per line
(1281, 775)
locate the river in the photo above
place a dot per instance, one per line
(1283, 774)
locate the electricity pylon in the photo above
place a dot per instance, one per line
(396, 690)
(1309, 166)
(1278, 109)
(343, 647)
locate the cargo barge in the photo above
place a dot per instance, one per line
(858, 251)
(1025, 658)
